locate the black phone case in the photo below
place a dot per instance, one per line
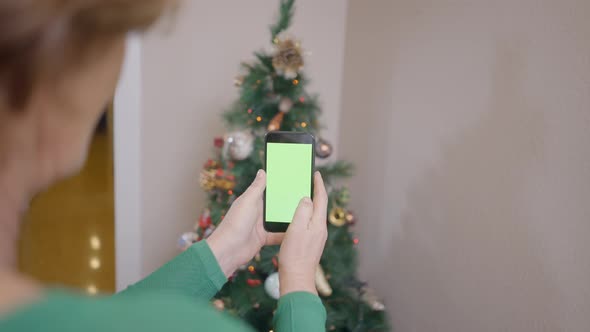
(286, 137)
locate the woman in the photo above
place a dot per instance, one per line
(59, 64)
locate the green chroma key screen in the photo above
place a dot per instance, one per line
(288, 179)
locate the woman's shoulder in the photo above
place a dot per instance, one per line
(149, 311)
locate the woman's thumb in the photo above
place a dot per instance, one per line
(257, 187)
(303, 212)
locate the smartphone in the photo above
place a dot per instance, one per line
(290, 161)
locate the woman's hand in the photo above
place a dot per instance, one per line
(241, 234)
(304, 242)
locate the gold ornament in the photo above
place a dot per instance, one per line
(238, 81)
(350, 218)
(213, 177)
(207, 179)
(369, 297)
(321, 283)
(288, 57)
(225, 184)
(276, 121)
(337, 216)
(219, 304)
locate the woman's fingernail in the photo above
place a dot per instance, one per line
(259, 173)
(307, 200)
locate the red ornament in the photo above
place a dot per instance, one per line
(219, 172)
(302, 99)
(205, 220)
(253, 282)
(355, 241)
(231, 177)
(218, 142)
(275, 262)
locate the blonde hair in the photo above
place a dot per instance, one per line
(37, 36)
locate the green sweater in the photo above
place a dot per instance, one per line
(173, 298)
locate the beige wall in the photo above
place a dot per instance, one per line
(187, 76)
(470, 125)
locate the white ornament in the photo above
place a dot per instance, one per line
(285, 105)
(208, 231)
(187, 239)
(271, 286)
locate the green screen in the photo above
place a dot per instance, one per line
(288, 179)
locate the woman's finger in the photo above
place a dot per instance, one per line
(320, 199)
(303, 214)
(257, 187)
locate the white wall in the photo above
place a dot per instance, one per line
(187, 80)
(469, 121)
(127, 157)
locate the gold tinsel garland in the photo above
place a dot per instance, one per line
(287, 57)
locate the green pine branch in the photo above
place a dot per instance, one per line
(337, 170)
(285, 16)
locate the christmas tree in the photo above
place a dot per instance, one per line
(273, 97)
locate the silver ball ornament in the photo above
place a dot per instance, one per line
(285, 105)
(240, 145)
(323, 149)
